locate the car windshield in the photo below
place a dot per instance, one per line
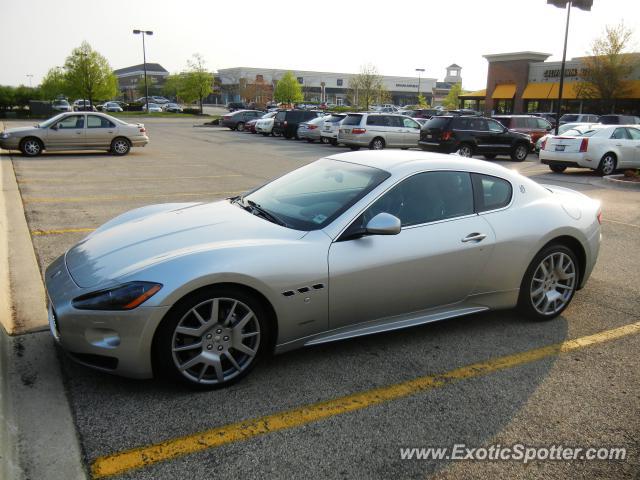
(311, 197)
(51, 121)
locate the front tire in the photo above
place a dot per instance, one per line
(240, 126)
(607, 164)
(549, 283)
(324, 140)
(31, 147)
(519, 153)
(212, 338)
(120, 146)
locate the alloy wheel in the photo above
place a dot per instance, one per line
(215, 341)
(465, 151)
(553, 283)
(521, 153)
(377, 144)
(608, 164)
(121, 147)
(32, 147)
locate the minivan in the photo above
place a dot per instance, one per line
(378, 130)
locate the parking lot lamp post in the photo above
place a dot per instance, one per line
(420, 71)
(29, 76)
(144, 63)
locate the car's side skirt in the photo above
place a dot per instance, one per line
(382, 325)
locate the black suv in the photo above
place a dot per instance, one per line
(286, 122)
(233, 106)
(469, 135)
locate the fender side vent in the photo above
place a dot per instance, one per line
(288, 293)
(318, 286)
(303, 289)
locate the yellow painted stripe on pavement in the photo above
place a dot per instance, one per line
(117, 179)
(39, 232)
(121, 462)
(106, 198)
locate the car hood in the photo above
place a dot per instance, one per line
(157, 233)
(20, 130)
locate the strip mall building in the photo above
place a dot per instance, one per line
(524, 82)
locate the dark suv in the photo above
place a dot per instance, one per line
(233, 106)
(536, 127)
(469, 135)
(286, 121)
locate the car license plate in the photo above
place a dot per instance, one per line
(345, 130)
(560, 148)
(327, 128)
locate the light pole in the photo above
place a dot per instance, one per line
(144, 60)
(29, 76)
(583, 5)
(420, 72)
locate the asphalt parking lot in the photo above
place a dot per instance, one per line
(586, 396)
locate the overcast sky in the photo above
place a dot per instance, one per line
(324, 35)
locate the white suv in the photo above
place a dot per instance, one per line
(330, 128)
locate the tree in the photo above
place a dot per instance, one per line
(196, 82)
(7, 97)
(451, 101)
(422, 102)
(605, 70)
(172, 85)
(54, 83)
(288, 89)
(367, 88)
(88, 74)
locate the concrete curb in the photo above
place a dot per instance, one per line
(38, 437)
(22, 295)
(615, 179)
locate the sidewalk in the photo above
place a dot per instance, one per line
(37, 432)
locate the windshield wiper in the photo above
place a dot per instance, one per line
(258, 210)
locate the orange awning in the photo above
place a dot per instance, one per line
(537, 91)
(477, 94)
(632, 89)
(569, 91)
(504, 92)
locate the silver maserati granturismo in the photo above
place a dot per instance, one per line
(352, 244)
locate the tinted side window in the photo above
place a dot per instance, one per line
(620, 134)
(426, 197)
(490, 192)
(93, 121)
(460, 123)
(436, 122)
(478, 124)
(531, 123)
(395, 122)
(281, 116)
(495, 126)
(634, 133)
(352, 120)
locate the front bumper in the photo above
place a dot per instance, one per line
(113, 341)
(11, 143)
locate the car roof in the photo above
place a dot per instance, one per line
(400, 162)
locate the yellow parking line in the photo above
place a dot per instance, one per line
(121, 462)
(118, 179)
(38, 232)
(106, 198)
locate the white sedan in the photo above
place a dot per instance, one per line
(604, 149)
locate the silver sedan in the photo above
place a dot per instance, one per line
(76, 131)
(353, 244)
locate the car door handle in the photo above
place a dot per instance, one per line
(474, 237)
(78, 133)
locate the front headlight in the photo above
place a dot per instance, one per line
(122, 297)
(4, 135)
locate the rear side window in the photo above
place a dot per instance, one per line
(477, 124)
(519, 122)
(378, 120)
(437, 122)
(352, 120)
(634, 133)
(93, 121)
(490, 193)
(542, 123)
(620, 134)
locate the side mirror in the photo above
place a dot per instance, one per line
(384, 224)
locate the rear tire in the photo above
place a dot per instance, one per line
(519, 153)
(120, 146)
(557, 168)
(31, 147)
(376, 144)
(608, 164)
(465, 150)
(544, 293)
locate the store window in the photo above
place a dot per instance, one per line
(339, 82)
